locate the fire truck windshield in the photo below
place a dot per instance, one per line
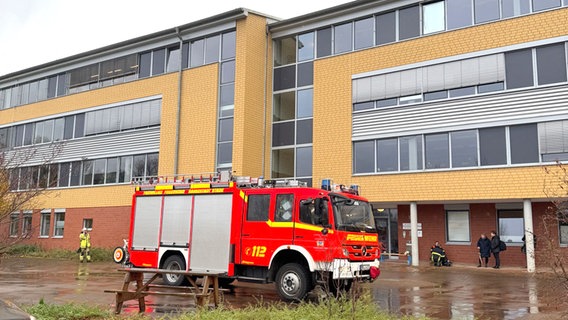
(352, 215)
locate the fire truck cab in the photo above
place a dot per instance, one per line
(255, 230)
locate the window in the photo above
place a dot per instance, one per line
(125, 173)
(486, 10)
(63, 180)
(492, 146)
(539, 5)
(437, 95)
(88, 224)
(139, 166)
(284, 207)
(225, 130)
(152, 163)
(27, 224)
(364, 33)
(75, 174)
(409, 23)
(457, 226)
(14, 224)
(464, 149)
(283, 134)
(363, 106)
(304, 131)
(284, 51)
(553, 140)
(308, 212)
(305, 74)
(549, 61)
(411, 153)
(563, 231)
(87, 172)
(306, 46)
(99, 171)
(227, 97)
(433, 17)
(228, 45)
(410, 99)
(343, 40)
(304, 162)
(387, 102)
(459, 92)
(228, 72)
(212, 47)
(323, 42)
(284, 78)
(145, 65)
(513, 8)
(511, 225)
(258, 207)
(45, 223)
(364, 157)
(59, 222)
(518, 68)
(385, 28)
(283, 163)
(524, 143)
(173, 59)
(387, 155)
(158, 61)
(437, 153)
(305, 103)
(490, 87)
(284, 106)
(225, 153)
(459, 13)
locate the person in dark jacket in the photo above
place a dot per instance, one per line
(495, 249)
(438, 255)
(484, 247)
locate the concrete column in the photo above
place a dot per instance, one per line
(529, 233)
(414, 233)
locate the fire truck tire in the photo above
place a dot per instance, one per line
(226, 282)
(118, 255)
(292, 282)
(174, 262)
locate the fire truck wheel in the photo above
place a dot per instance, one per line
(174, 262)
(225, 282)
(292, 282)
(118, 255)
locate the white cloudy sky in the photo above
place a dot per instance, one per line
(33, 32)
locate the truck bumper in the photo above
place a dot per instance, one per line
(345, 269)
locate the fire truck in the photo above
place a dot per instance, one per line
(254, 230)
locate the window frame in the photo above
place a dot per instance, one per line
(468, 222)
(506, 238)
(45, 224)
(58, 217)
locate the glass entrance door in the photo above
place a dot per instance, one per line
(386, 221)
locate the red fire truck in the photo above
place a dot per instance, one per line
(255, 230)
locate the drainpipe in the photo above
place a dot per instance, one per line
(265, 104)
(178, 120)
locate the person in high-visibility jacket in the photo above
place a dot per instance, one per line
(85, 246)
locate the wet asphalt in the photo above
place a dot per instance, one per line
(457, 292)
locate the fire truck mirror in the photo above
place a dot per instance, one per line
(307, 201)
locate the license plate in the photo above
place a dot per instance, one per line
(365, 267)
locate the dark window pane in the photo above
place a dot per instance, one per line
(486, 10)
(80, 125)
(518, 69)
(411, 153)
(38, 132)
(464, 148)
(492, 147)
(158, 61)
(68, 130)
(343, 40)
(304, 162)
(51, 86)
(227, 95)
(364, 33)
(84, 75)
(458, 13)
(364, 157)
(409, 22)
(111, 170)
(387, 102)
(283, 134)
(28, 133)
(511, 225)
(304, 131)
(99, 171)
(196, 55)
(284, 51)
(539, 5)
(258, 207)
(62, 85)
(145, 65)
(284, 78)
(152, 164)
(524, 143)
(75, 173)
(306, 46)
(551, 63)
(228, 48)
(185, 55)
(64, 174)
(459, 92)
(283, 163)
(305, 74)
(284, 106)
(429, 96)
(225, 153)
(139, 166)
(511, 8)
(19, 136)
(363, 106)
(226, 129)
(323, 42)
(305, 103)
(212, 45)
(437, 151)
(228, 71)
(386, 28)
(387, 155)
(34, 90)
(125, 169)
(88, 167)
(490, 87)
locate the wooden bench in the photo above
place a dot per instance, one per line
(201, 294)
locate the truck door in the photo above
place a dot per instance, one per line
(267, 224)
(309, 224)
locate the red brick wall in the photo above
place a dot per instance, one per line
(483, 219)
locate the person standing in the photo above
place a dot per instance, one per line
(85, 246)
(496, 248)
(484, 247)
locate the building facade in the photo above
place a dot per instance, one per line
(446, 113)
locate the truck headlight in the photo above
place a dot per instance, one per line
(345, 252)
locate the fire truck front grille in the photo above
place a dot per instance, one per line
(361, 252)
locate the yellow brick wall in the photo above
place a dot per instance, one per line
(251, 70)
(332, 113)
